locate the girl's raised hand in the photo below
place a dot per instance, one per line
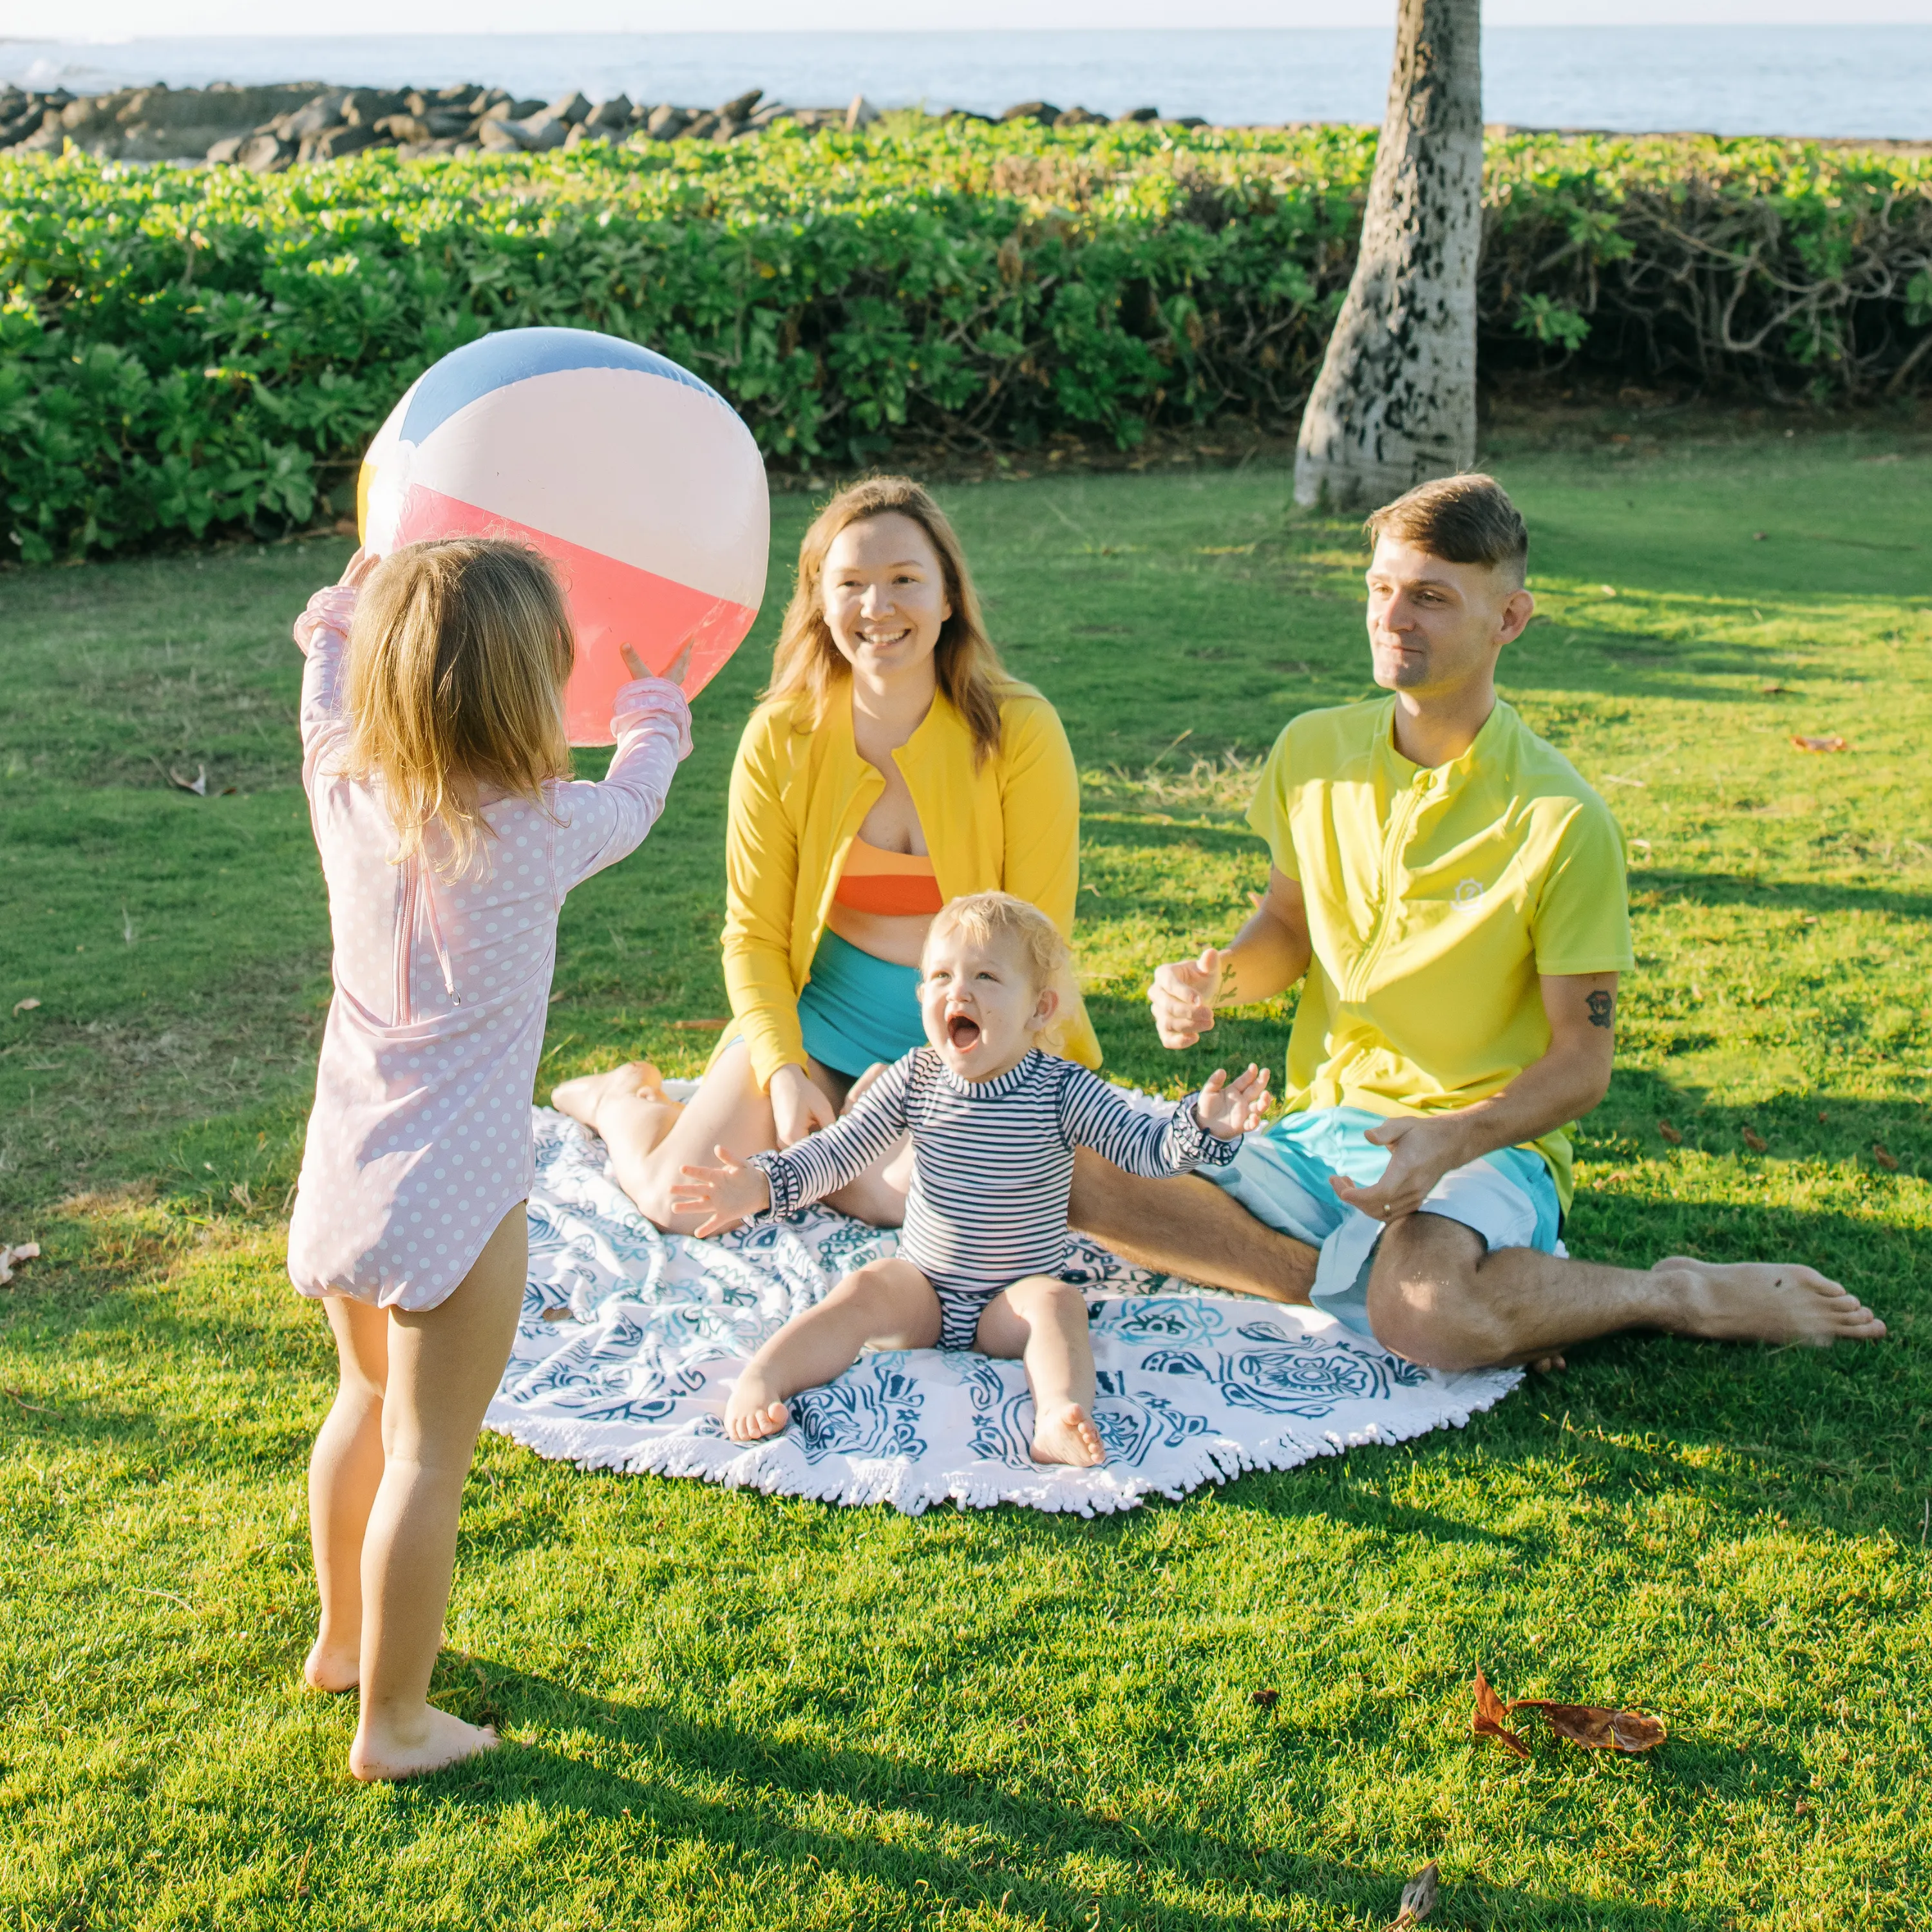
(360, 568)
(1229, 1108)
(675, 671)
(727, 1193)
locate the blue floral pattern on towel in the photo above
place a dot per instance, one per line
(630, 1339)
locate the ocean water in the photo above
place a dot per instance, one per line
(1873, 81)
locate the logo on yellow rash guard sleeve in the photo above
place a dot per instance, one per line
(1467, 892)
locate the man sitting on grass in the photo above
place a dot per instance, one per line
(1454, 893)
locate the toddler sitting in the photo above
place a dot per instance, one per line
(994, 1120)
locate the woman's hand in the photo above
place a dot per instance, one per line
(1228, 1108)
(799, 1106)
(728, 1193)
(675, 672)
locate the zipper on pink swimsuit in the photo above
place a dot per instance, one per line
(417, 887)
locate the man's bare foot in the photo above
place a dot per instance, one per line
(755, 1408)
(330, 1667)
(440, 1740)
(581, 1097)
(1065, 1433)
(1765, 1301)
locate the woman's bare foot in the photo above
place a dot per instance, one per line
(581, 1097)
(1765, 1301)
(440, 1739)
(1065, 1433)
(755, 1408)
(328, 1667)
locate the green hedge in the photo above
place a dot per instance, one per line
(185, 349)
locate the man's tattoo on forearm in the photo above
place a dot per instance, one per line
(1227, 982)
(1602, 1008)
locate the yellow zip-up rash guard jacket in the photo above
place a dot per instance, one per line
(799, 795)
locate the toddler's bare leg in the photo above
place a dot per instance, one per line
(1044, 1322)
(889, 1303)
(344, 1469)
(445, 1363)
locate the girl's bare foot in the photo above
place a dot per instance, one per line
(437, 1740)
(1765, 1301)
(1065, 1433)
(580, 1098)
(755, 1408)
(328, 1667)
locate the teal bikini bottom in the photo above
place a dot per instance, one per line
(857, 1008)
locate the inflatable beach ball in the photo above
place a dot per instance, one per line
(638, 481)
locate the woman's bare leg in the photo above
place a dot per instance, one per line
(651, 1137)
(1044, 1322)
(889, 1303)
(445, 1363)
(879, 1194)
(344, 1471)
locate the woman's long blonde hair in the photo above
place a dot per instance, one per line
(807, 664)
(457, 658)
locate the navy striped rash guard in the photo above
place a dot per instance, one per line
(992, 1159)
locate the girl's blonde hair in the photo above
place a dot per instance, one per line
(457, 658)
(996, 918)
(806, 663)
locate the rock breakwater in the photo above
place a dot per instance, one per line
(265, 129)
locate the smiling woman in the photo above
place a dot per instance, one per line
(893, 766)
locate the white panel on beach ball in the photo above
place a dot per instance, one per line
(638, 481)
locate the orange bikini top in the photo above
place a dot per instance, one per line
(897, 883)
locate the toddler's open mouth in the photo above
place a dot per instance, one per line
(962, 1032)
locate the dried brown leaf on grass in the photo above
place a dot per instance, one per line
(1591, 1725)
(1884, 1156)
(1490, 1712)
(1670, 1133)
(1833, 743)
(25, 1006)
(1755, 1142)
(1418, 1897)
(699, 1026)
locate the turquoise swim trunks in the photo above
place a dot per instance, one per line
(1281, 1174)
(856, 1009)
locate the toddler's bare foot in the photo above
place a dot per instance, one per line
(1065, 1434)
(1765, 1301)
(581, 1097)
(437, 1740)
(329, 1666)
(754, 1409)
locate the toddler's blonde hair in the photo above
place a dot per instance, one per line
(457, 659)
(997, 918)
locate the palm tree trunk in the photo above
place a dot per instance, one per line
(1395, 402)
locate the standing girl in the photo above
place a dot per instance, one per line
(436, 769)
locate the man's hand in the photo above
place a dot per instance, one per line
(1420, 1153)
(729, 1191)
(799, 1105)
(1183, 997)
(1228, 1108)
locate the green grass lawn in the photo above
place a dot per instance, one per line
(731, 1712)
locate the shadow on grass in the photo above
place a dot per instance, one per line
(1249, 1882)
(1728, 888)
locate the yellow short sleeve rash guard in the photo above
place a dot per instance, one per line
(1435, 900)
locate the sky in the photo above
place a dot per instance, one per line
(118, 19)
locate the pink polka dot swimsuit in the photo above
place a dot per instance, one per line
(419, 1142)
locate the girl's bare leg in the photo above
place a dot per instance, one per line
(651, 1137)
(445, 1363)
(344, 1470)
(889, 1303)
(1044, 1323)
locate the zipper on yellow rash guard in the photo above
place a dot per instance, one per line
(405, 923)
(1392, 846)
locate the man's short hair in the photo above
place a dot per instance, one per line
(1465, 519)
